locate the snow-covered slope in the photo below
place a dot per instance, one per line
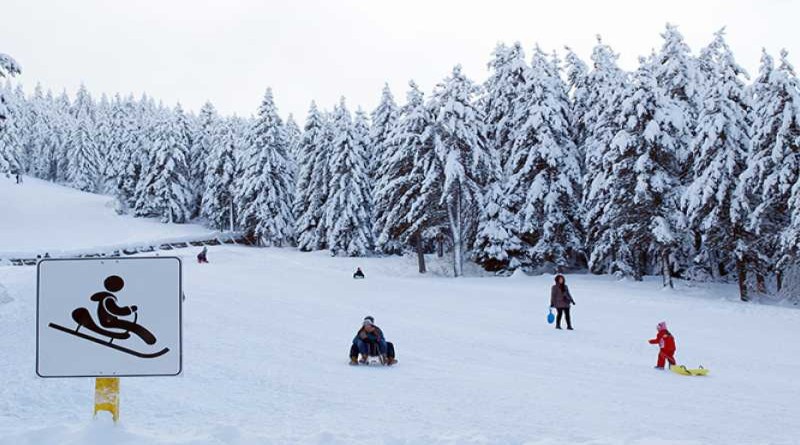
(38, 217)
(267, 333)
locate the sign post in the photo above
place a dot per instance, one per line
(106, 396)
(109, 318)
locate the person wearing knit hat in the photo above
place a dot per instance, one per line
(370, 334)
(666, 344)
(561, 299)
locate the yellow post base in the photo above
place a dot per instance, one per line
(106, 396)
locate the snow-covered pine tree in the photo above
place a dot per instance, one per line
(346, 211)
(41, 135)
(505, 105)
(85, 164)
(769, 183)
(497, 247)
(265, 199)
(311, 191)
(409, 151)
(544, 185)
(126, 171)
(361, 133)
(720, 145)
(8, 142)
(104, 138)
(166, 191)
(62, 129)
(577, 79)
(640, 225)
(22, 123)
(384, 119)
(114, 123)
(463, 167)
(202, 146)
(606, 85)
(677, 74)
(293, 138)
(219, 198)
(84, 105)
(505, 97)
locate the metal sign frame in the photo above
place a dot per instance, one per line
(113, 259)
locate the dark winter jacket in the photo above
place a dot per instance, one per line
(373, 337)
(560, 299)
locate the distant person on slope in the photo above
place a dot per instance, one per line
(561, 299)
(202, 257)
(358, 274)
(666, 344)
(367, 335)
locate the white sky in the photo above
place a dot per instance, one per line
(230, 51)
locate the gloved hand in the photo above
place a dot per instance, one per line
(134, 308)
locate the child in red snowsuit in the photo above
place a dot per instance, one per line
(666, 342)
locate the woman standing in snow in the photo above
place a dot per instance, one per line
(561, 299)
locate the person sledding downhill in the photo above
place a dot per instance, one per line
(202, 257)
(666, 344)
(370, 342)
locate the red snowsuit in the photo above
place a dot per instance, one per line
(666, 342)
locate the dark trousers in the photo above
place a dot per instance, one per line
(563, 311)
(354, 350)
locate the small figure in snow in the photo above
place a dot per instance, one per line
(108, 312)
(18, 177)
(666, 343)
(367, 335)
(202, 257)
(358, 274)
(561, 299)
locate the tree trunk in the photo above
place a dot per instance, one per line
(231, 216)
(714, 265)
(420, 253)
(761, 285)
(742, 275)
(665, 269)
(779, 280)
(454, 216)
(439, 245)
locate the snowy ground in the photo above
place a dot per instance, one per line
(39, 217)
(267, 333)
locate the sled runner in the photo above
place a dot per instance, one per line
(374, 357)
(108, 343)
(683, 370)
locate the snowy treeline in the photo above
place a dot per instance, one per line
(682, 167)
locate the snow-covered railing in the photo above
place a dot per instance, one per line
(211, 239)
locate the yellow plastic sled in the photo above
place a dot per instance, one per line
(683, 370)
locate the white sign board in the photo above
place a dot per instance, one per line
(109, 317)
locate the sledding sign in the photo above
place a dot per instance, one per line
(111, 317)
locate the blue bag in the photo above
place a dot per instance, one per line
(550, 317)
